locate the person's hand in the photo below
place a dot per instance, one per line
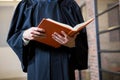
(33, 32)
(64, 39)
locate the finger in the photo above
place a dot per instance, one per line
(57, 39)
(66, 37)
(58, 35)
(64, 34)
(40, 30)
(60, 40)
(40, 36)
(37, 34)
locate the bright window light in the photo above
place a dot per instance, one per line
(10, 0)
(6, 0)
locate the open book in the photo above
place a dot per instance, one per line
(52, 26)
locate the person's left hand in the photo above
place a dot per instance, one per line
(64, 39)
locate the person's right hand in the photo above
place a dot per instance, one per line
(33, 32)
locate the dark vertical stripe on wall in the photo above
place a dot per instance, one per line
(97, 36)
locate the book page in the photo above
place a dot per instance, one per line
(59, 23)
(82, 25)
(77, 27)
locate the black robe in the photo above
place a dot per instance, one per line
(40, 61)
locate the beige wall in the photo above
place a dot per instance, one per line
(10, 66)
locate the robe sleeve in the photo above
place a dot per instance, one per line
(15, 35)
(72, 15)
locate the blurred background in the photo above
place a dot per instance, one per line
(103, 39)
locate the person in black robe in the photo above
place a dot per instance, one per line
(40, 61)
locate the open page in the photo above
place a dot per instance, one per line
(77, 27)
(81, 25)
(59, 23)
